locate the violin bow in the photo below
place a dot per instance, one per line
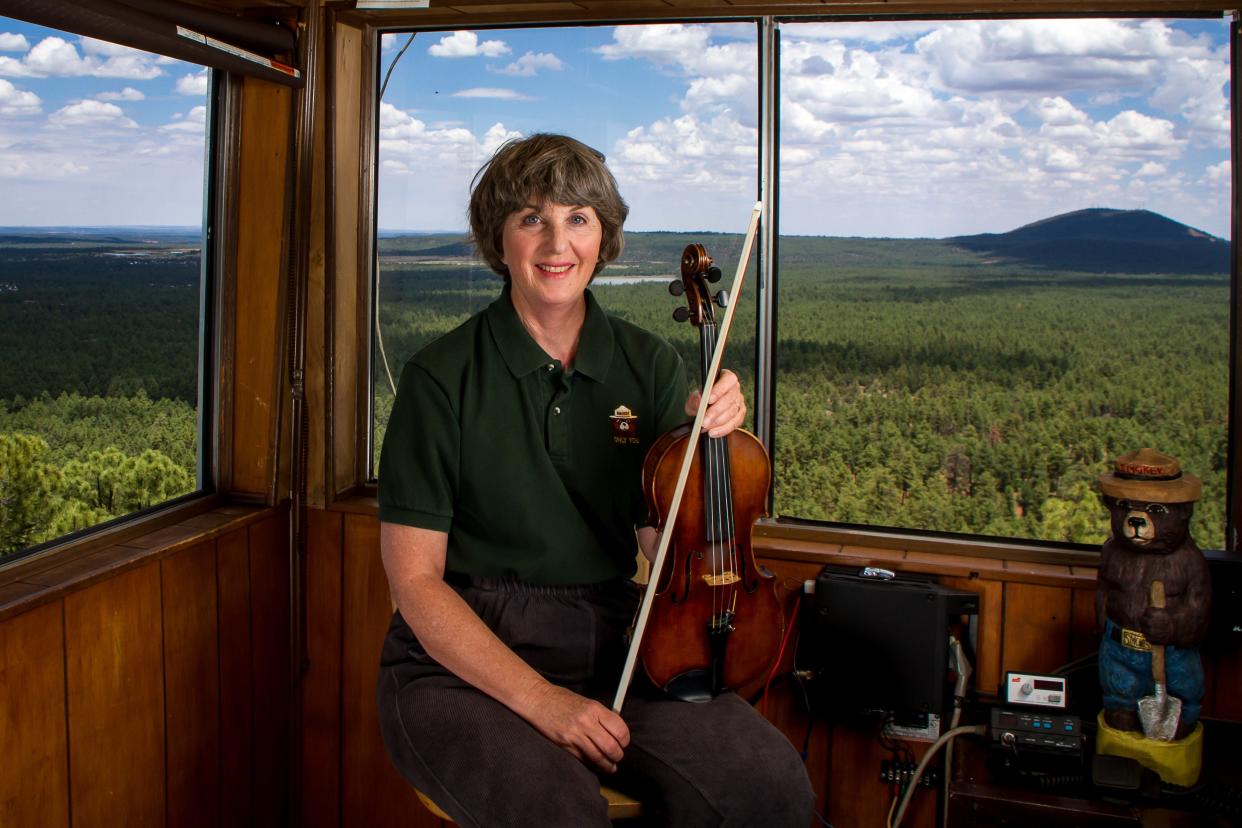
(644, 608)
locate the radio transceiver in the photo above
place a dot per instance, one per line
(1032, 690)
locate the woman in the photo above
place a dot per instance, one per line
(509, 509)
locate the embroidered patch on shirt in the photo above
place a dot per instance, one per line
(624, 425)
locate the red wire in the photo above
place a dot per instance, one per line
(763, 703)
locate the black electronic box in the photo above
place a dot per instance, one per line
(876, 640)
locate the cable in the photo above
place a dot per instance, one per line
(780, 654)
(379, 336)
(980, 730)
(960, 665)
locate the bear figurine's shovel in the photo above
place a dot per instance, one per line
(1159, 714)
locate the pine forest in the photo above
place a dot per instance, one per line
(920, 384)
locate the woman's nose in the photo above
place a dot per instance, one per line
(556, 236)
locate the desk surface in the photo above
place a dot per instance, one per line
(980, 798)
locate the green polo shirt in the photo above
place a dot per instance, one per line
(535, 472)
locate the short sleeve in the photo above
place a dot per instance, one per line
(672, 389)
(420, 457)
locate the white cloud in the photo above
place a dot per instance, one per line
(391, 41)
(91, 113)
(720, 77)
(1218, 175)
(662, 43)
(466, 44)
(38, 167)
(876, 33)
(16, 102)
(978, 126)
(716, 154)
(920, 128)
(193, 84)
(129, 93)
(56, 57)
(427, 169)
(531, 62)
(494, 93)
(10, 42)
(1059, 113)
(194, 121)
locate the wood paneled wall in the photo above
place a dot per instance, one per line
(347, 778)
(158, 696)
(1032, 617)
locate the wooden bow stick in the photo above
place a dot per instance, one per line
(644, 609)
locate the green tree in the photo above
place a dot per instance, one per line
(27, 491)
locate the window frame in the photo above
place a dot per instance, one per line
(911, 541)
(218, 220)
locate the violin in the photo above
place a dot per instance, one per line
(716, 622)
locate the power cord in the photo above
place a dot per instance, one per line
(960, 665)
(894, 821)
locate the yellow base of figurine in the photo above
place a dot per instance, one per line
(1177, 763)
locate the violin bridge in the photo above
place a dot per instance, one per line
(720, 579)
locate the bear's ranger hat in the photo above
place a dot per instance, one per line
(1152, 477)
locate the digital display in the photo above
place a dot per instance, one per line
(1047, 684)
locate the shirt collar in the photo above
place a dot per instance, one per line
(523, 355)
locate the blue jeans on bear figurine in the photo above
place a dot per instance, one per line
(1125, 676)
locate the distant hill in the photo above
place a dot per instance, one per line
(1100, 240)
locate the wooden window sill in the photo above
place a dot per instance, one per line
(778, 540)
(29, 582)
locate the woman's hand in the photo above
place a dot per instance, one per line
(583, 727)
(726, 410)
(454, 635)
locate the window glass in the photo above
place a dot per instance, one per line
(674, 109)
(102, 152)
(1004, 260)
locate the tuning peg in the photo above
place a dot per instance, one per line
(681, 313)
(713, 274)
(676, 288)
(722, 298)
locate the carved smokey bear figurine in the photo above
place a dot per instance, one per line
(1151, 500)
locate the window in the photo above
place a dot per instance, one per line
(1004, 261)
(101, 230)
(685, 156)
(1003, 250)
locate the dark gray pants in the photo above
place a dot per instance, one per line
(713, 764)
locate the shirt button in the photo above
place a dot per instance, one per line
(557, 411)
(551, 366)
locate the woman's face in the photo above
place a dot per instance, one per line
(551, 251)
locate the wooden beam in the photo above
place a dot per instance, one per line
(466, 13)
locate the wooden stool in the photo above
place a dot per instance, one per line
(620, 806)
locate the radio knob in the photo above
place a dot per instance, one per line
(1026, 688)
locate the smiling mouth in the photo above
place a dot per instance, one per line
(555, 269)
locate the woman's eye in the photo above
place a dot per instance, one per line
(530, 219)
(578, 219)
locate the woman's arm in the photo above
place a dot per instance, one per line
(454, 636)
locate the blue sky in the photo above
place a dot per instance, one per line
(888, 129)
(97, 134)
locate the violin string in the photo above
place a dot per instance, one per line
(713, 499)
(725, 524)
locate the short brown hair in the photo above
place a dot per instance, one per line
(555, 168)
